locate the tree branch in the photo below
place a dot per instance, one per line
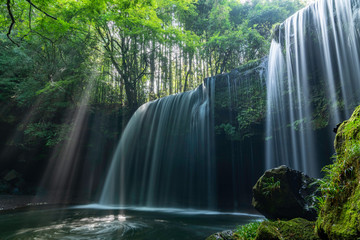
(22, 38)
(29, 1)
(12, 22)
(143, 71)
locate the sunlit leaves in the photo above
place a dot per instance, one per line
(221, 34)
(219, 18)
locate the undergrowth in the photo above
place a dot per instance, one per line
(339, 205)
(340, 177)
(247, 232)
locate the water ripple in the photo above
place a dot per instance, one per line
(83, 228)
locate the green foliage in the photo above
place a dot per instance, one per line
(227, 128)
(270, 186)
(49, 133)
(246, 103)
(252, 109)
(52, 87)
(247, 232)
(339, 206)
(232, 33)
(341, 176)
(59, 39)
(266, 14)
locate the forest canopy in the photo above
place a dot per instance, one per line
(58, 55)
(127, 51)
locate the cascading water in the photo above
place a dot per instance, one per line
(178, 151)
(166, 154)
(313, 81)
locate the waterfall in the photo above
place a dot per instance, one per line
(313, 81)
(166, 154)
(187, 150)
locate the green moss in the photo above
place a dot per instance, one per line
(268, 230)
(339, 216)
(247, 232)
(295, 229)
(270, 186)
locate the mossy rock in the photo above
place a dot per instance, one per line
(295, 229)
(347, 132)
(339, 217)
(284, 193)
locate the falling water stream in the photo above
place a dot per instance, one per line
(166, 154)
(313, 81)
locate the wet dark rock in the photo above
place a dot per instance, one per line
(335, 129)
(284, 193)
(11, 182)
(225, 235)
(11, 175)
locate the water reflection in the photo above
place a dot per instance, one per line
(104, 227)
(122, 224)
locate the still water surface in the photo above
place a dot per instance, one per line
(97, 222)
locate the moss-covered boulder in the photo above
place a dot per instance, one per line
(295, 229)
(284, 193)
(339, 217)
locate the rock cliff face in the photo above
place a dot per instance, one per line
(239, 112)
(339, 217)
